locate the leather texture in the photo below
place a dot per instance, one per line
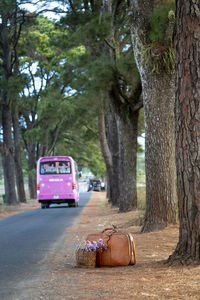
(120, 248)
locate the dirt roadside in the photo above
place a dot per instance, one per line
(6, 211)
(150, 278)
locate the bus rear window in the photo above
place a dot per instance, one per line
(55, 167)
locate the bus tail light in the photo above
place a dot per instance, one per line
(38, 187)
(73, 186)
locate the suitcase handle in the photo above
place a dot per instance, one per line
(109, 229)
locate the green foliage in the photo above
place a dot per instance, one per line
(127, 68)
(95, 30)
(32, 173)
(83, 146)
(87, 27)
(14, 85)
(75, 52)
(71, 54)
(6, 6)
(160, 19)
(74, 116)
(39, 43)
(100, 74)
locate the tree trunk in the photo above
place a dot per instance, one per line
(127, 131)
(18, 162)
(158, 101)
(5, 95)
(32, 170)
(7, 154)
(159, 152)
(32, 186)
(128, 158)
(113, 142)
(188, 130)
(105, 150)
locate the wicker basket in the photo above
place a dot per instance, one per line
(85, 259)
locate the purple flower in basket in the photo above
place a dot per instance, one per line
(89, 246)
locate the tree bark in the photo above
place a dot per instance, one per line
(105, 151)
(158, 101)
(31, 170)
(8, 150)
(112, 135)
(188, 130)
(8, 153)
(18, 161)
(123, 104)
(109, 141)
(128, 131)
(128, 159)
(159, 152)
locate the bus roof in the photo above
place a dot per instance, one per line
(53, 158)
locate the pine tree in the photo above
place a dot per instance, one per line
(187, 131)
(152, 38)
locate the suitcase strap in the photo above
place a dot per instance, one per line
(107, 236)
(132, 249)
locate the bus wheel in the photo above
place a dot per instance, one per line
(43, 205)
(75, 204)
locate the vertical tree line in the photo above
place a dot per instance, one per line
(114, 57)
(12, 20)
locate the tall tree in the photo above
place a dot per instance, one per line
(103, 32)
(11, 20)
(42, 96)
(152, 40)
(124, 95)
(50, 110)
(187, 130)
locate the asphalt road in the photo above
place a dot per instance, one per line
(25, 240)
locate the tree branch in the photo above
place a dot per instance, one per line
(72, 7)
(55, 137)
(109, 45)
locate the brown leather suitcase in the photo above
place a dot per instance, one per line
(120, 248)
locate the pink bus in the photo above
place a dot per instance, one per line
(57, 181)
